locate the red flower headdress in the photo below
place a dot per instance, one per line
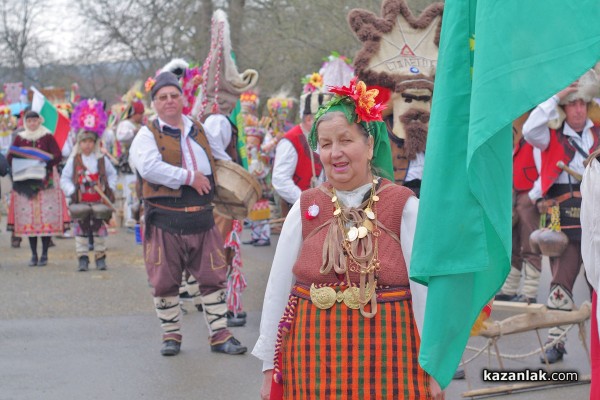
(359, 103)
(365, 105)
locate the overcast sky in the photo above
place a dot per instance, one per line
(60, 25)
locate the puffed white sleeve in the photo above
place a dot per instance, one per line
(535, 129)
(279, 285)
(284, 166)
(66, 178)
(111, 173)
(218, 133)
(407, 236)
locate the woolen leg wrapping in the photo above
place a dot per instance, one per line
(511, 285)
(81, 246)
(215, 311)
(168, 312)
(193, 289)
(531, 282)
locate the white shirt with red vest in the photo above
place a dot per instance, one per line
(536, 132)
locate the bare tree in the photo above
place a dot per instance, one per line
(283, 39)
(22, 43)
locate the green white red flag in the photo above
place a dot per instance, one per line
(497, 60)
(55, 121)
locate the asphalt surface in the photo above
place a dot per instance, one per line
(94, 335)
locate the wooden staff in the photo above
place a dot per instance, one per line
(569, 171)
(104, 197)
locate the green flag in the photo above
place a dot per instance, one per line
(497, 59)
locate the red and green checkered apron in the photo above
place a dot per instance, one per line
(339, 354)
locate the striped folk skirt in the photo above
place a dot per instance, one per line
(339, 354)
(45, 214)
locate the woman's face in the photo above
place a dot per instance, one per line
(345, 152)
(32, 123)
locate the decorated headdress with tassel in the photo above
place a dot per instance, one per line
(89, 117)
(132, 101)
(279, 108)
(222, 84)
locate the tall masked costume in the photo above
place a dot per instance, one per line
(342, 315)
(90, 181)
(180, 230)
(548, 129)
(219, 92)
(400, 53)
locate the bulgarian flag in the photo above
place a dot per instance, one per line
(497, 59)
(55, 121)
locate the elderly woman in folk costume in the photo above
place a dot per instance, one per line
(37, 206)
(345, 254)
(87, 176)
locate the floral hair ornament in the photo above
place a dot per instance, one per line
(149, 84)
(364, 106)
(312, 82)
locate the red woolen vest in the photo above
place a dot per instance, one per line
(389, 208)
(524, 170)
(559, 149)
(303, 172)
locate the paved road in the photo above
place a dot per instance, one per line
(71, 335)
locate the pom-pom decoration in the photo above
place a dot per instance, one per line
(312, 212)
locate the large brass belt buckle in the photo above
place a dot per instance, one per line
(325, 297)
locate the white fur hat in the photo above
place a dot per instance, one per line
(588, 87)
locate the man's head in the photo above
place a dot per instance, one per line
(576, 114)
(167, 97)
(165, 79)
(576, 104)
(309, 105)
(136, 111)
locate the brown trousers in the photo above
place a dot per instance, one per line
(529, 220)
(167, 255)
(566, 267)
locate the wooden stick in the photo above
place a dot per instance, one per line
(104, 197)
(528, 321)
(569, 171)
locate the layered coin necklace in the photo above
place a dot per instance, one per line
(352, 245)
